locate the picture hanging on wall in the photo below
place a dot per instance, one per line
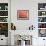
(22, 14)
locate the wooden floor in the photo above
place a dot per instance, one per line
(3, 45)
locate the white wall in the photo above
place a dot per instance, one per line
(32, 6)
(27, 5)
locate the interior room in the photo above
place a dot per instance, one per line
(22, 22)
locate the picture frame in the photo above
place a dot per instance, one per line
(22, 14)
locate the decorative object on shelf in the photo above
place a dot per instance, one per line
(40, 25)
(6, 7)
(3, 19)
(42, 32)
(41, 6)
(13, 27)
(45, 7)
(43, 13)
(23, 14)
(31, 27)
(4, 29)
(41, 19)
(3, 13)
(0, 7)
(4, 26)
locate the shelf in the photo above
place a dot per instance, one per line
(3, 10)
(41, 28)
(3, 22)
(41, 22)
(41, 10)
(42, 16)
(3, 16)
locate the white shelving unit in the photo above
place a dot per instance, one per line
(4, 18)
(42, 18)
(3, 10)
(4, 23)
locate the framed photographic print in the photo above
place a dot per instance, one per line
(22, 14)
